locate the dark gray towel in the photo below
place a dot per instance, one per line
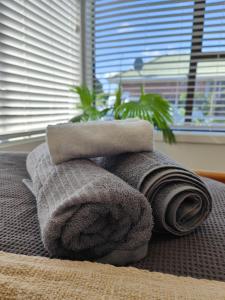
(86, 212)
(180, 200)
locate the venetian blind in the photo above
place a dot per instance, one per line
(39, 62)
(173, 48)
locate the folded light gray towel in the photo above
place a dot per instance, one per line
(86, 212)
(98, 138)
(179, 199)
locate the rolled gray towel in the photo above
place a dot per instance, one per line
(179, 199)
(86, 212)
(98, 138)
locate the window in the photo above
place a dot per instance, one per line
(174, 48)
(39, 62)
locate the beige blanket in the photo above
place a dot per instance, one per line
(27, 277)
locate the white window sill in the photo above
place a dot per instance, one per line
(20, 143)
(194, 137)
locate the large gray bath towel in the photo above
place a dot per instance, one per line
(179, 199)
(98, 138)
(86, 212)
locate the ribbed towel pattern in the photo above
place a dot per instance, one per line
(86, 212)
(180, 200)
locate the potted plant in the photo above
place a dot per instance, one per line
(151, 107)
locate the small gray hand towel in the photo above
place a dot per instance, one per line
(98, 138)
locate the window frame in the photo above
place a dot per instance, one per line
(197, 55)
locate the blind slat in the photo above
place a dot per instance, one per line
(108, 21)
(44, 15)
(36, 40)
(39, 74)
(146, 22)
(14, 17)
(161, 36)
(156, 31)
(12, 48)
(128, 10)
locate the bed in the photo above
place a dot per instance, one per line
(199, 255)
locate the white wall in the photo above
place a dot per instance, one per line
(198, 151)
(195, 151)
(196, 156)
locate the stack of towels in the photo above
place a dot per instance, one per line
(102, 190)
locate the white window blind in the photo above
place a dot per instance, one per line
(39, 62)
(174, 48)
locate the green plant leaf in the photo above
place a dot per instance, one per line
(142, 90)
(153, 108)
(104, 112)
(87, 98)
(90, 114)
(118, 94)
(76, 119)
(157, 104)
(162, 116)
(133, 109)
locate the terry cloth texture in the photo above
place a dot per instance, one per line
(98, 138)
(85, 212)
(200, 254)
(180, 200)
(27, 277)
(19, 228)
